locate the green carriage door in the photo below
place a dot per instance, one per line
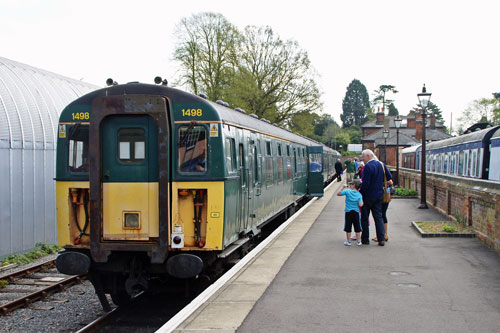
(315, 180)
(243, 192)
(130, 178)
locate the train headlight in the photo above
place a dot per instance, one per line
(131, 220)
(177, 237)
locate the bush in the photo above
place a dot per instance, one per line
(405, 192)
(448, 228)
(3, 283)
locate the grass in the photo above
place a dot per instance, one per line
(405, 192)
(446, 226)
(41, 250)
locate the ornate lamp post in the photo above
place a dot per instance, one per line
(386, 135)
(397, 121)
(423, 99)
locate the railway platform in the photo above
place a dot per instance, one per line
(306, 280)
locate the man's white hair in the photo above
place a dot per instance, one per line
(369, 153)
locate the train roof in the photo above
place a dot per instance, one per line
(411, 149)
(496, 135)
(231, 116)
(176, 96)
(476, 136)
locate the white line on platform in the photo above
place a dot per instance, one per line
(189, 309)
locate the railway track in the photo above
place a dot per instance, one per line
(33, 283)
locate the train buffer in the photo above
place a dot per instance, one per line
(308, 281)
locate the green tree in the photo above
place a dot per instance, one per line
(436, 111)
(284, 82)
(478, 111)
(205, 49)
(393, 111)
(380, 95)
(355, 134)
(304, 123)
(355, 104)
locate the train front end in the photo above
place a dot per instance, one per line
(128, 221)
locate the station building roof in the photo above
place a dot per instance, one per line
(31, 100)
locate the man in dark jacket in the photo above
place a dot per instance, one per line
(372, 190)
(338, 170)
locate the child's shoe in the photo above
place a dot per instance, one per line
(347, 243)
(358, 243)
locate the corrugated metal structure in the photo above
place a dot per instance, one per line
(30, 102)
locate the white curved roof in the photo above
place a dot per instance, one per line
(31, 100)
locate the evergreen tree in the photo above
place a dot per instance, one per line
(355, 104)
(393, 111)
(436, 110)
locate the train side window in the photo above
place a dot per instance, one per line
(279, 149)
(268, 148)
(280, 169)
(192, 147)
(78, 149)
(474, 168)
(478, 163)
(230, 160)
(461, 163)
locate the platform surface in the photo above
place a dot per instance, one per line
(308, 281)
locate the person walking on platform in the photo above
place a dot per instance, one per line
(372, 190)
(353, 200)
(338, 170)
(385, 205)
(350, 169)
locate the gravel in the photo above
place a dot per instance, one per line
(67, 311)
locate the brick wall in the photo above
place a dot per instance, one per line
(471, 201)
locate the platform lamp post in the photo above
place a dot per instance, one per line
(423, 98)
(386, 135)
(397, 122)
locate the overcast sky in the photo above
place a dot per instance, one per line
(452, 46)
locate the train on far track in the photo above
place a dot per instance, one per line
(472, 155)
(157, 185)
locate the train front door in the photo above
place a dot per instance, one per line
(130, 209)
(315, 180)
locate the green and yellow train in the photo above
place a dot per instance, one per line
(154, 183)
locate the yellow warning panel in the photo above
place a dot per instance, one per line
(214, 130)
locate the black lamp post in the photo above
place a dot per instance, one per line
(423, 99)
(386, 135)
(397, 121)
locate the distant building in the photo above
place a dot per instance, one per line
(355, 148)
(410, 133)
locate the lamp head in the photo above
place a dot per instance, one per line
(424, 98)
(397, 121)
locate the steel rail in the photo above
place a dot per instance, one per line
(30, 270)
(39, 294)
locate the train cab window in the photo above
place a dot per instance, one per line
(230, 160)
(192, 148)
(78, 149)
(131, 144)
